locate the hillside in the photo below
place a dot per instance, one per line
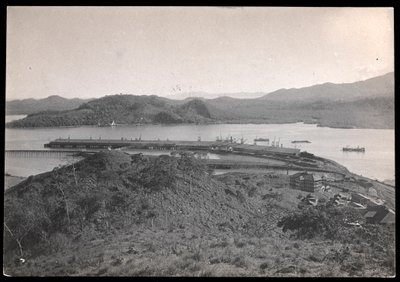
(113, 214)
(364, 104)
(122, 109)
(51, 103)
(361, 113)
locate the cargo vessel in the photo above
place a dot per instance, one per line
(358, 149)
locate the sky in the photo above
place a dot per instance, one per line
(88, 52)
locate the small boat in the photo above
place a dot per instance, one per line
(349, 149)
(113, 123)
(262, 139)
(301, 141)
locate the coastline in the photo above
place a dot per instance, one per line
(249, 121)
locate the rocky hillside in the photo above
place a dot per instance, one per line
(114, 214)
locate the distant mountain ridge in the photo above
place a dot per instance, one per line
(51, 103)
(206, 95)
(379, 86)
(363, 104)
(376, 86)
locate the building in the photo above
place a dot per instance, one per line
(390, 218)
(359, 199)
(365, 200)
(380, 215)
(302, 181)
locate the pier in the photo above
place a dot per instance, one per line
(276, 158)
(44, 153)
(224, 146)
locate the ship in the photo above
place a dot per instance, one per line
(358, 149)
(113, 123)
(301, 141)
(262, 139)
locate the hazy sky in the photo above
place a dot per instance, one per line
(97, 51)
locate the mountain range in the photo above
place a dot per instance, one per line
(363, 104)
(51, 103)
(377, 86)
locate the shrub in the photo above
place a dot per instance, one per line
(239, 261)
(264, 265)
(308, 223)
(322, 221)
(240, 243)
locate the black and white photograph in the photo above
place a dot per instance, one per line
(208, 141)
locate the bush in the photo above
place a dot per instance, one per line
(321, 221)
(240, 243)
(264, 265)
(239, 261)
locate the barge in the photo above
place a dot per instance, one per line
(349, 149)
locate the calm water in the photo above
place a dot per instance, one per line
(377, 162)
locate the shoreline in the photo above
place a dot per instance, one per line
(250, 122)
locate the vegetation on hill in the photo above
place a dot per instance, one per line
(114, 214)
(365, 104)
(122, 109)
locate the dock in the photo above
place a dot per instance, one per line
(45, 153)
(219, 146)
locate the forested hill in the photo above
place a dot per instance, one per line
(122, 109)
(364, 104)
(51, 103)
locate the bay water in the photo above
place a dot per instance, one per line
(377, 162)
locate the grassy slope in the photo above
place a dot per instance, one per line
(147, 216)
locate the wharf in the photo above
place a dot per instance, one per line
(168, 145)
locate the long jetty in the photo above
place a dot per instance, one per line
(168, 145)
(44, 153)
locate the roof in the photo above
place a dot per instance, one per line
(356, 205)
(307, 176)
(390, 217)
(380, 214)
(370, 214)
(377, 202)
